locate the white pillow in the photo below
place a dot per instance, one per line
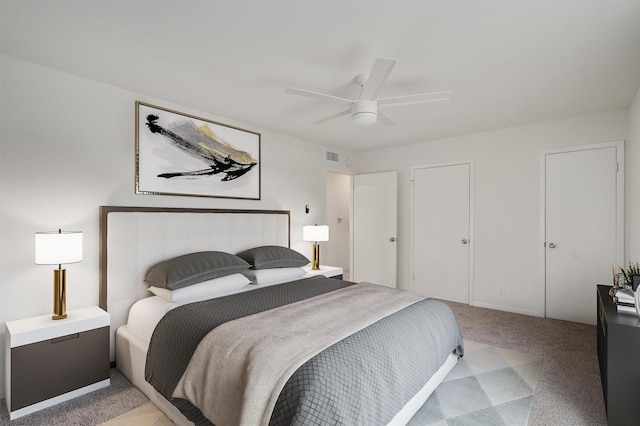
(202, 291)
(273, 275)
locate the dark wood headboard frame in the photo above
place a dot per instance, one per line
(105, 210)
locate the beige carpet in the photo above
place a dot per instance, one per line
(489, 385)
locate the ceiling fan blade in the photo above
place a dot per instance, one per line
(333, 117)
(416, 99)
(316, 95)
(385, 119)
(379, 73)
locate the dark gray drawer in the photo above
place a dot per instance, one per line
(46, 369)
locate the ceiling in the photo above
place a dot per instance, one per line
(509, 63)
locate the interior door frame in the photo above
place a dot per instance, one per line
(619, 145)
(471, 298)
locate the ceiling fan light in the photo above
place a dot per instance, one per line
(364, 112)
(364, 118)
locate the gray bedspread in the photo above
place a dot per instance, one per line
(364, 379)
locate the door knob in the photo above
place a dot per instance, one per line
(552, 245)
(464, 241)
(392, 239)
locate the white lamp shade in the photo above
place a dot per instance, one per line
(54, 248)
(315, 233)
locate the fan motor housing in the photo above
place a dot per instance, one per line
(364, 112)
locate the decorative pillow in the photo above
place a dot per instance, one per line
(204, 290)
(273, 275)
(267, 257)
(193, 268)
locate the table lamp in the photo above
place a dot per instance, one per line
(315, 233)
(56, 248)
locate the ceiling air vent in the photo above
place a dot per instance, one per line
(332, 156)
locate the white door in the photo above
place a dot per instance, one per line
(582, 229)
(441, 230)
(375, 203)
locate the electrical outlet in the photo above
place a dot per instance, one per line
(501, 290)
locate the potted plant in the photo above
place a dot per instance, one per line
(632, 275)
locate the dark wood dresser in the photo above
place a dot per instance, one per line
(619, 359)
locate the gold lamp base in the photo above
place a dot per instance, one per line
(59, 294)
(315, 256)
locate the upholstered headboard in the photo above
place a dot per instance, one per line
(133, 239)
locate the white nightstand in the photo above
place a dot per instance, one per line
(327, 271)
(51, 361)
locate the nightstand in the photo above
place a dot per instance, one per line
(51, 361)
(327, 271)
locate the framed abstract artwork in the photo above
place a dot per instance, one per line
(180, 154)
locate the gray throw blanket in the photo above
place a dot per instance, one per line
(240, 367)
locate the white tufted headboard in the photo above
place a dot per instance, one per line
(133, 239)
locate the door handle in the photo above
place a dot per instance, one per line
(552, 245)
(464, 241)
(392, 239)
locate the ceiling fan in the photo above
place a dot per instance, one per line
(364, 110)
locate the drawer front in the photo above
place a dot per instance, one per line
(46, 369)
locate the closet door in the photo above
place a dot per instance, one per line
(441, 231)
(583, 225)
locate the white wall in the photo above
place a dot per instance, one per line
(67, 147)
(507, 204)
(632, 184)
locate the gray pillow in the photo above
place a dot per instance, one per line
(193, 268)
(273, 257)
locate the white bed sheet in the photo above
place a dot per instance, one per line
(145, 315)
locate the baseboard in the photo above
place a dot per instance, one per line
(508, 309)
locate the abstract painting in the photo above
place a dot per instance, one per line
(180, 154)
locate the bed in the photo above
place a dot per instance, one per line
(365, 354)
